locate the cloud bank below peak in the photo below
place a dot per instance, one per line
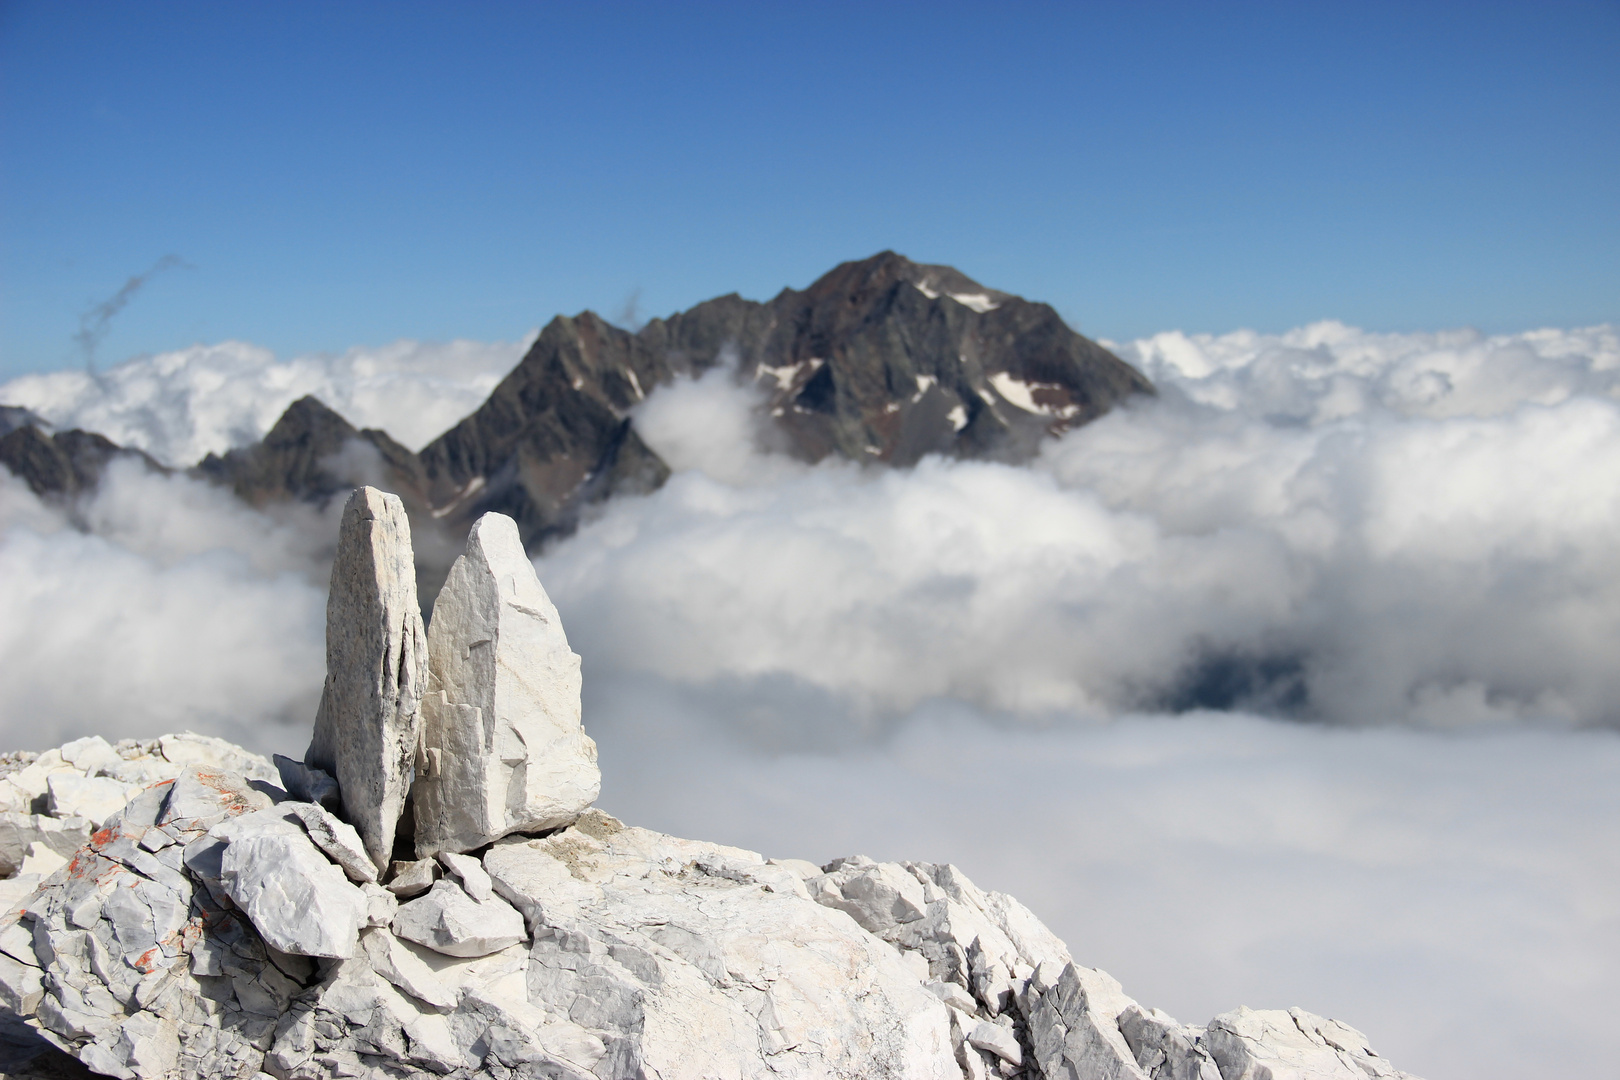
(1327, 525)
(181, 405)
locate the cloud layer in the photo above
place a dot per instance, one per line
(181, 405)
(1290, 527)
(1408, 537)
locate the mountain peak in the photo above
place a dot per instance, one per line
(883, 270)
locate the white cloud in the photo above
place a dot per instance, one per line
(98, 637)
(1394, 563)
(180, 405)
(1411, 531)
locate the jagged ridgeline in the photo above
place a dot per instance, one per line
(883, 360)
(431, 893)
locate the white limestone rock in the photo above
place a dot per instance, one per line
(95, 798)
(208, 751)
(1074, 1027)
(408, 879)
(367, 727)
(503, 750)
(471, 874)
(688, 960)
(203, 796)
(338, 840)
(19, 831)
(381, 905)
(625, 952)
(298, 900)
(1165, 1049)
(450, 921)
(118, 932)
(393, 960)
(1262, 1044)
(91, 756)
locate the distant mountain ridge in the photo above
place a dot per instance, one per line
(882, 360)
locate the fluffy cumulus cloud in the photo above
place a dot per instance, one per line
(181, 405)
(181, 609)
(1328, 525)
(1066, 677)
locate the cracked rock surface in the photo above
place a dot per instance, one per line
(622, 953)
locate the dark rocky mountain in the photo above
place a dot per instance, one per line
(63, 464)
(882, 360)
(311, 454)
(555, 435)
(888, 360)
(13, 417)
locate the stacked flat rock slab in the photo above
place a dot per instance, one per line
(366, 729)
(503, 749)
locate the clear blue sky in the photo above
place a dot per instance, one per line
(351, 173)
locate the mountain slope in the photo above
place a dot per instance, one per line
(64, 464)
(881, 360)
(886, 359)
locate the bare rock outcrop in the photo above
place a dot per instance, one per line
(368, 724)
(220, 925)
(503, 749)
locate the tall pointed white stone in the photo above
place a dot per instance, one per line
(503, 749)
(368, 725)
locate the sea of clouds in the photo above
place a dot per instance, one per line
(1292, 685)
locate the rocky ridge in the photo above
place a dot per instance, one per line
(183, 908)
(880, 360)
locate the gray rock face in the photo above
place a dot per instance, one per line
(503, 749)
(366, 730)
(308, 784)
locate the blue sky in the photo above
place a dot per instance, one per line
(350, 173)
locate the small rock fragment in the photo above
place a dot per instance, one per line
(92, 755)
(406, 879)
(96, 798)
(471, 873)
(308, 784)
(203, 796)
(17, 831)
(338, 839)
(367, 727)
(449, 921)
(189, 748)
(997, 1040)
(394, 961)
(41, 861)
(381, 905)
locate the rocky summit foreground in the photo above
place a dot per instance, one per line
(442, 900)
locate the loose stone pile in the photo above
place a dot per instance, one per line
(184, 909)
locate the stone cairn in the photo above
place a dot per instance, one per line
(430, 893)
